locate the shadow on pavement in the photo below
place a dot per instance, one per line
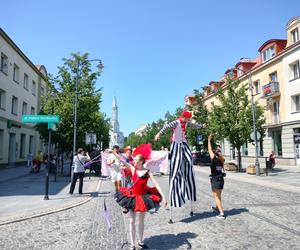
(205, 215)
(33, 184)
(170, 241)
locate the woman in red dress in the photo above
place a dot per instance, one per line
(139, 198)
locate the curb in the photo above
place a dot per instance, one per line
(55, 210)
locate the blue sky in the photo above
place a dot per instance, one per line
(154, 52)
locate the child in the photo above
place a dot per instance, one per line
(139, 198)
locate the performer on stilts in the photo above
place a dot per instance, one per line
(182, 179)
(139, 198)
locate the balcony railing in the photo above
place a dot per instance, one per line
(273, 119)
(271, 89)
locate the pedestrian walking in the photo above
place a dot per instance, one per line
(114, 163)
(79, 161)
(272, 160)
(182, 179)
(29, 160)
(140, 198)
(217, 178)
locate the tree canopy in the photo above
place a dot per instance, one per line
(60, 97)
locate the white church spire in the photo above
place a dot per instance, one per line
(116, 137)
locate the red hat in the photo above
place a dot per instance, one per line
(186, 114)
(144, 149)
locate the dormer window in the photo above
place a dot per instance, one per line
(295, 36)
(240, 72)
(268, 53)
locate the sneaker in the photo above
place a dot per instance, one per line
(215, 209)
(221, 216)
(143, 245)
(132, 248)
(125, 211)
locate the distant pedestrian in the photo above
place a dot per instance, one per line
(79, 160)
(272, 159)
(29, 159)
(216, 177)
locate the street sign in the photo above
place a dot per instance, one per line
(52, 126)
(296, 138)
(90, 138)
(199, 139)
(40, 118)
(252, 135)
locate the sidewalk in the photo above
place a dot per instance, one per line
(22, 193)
(285, 178)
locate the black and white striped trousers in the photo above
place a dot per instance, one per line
(182, 179)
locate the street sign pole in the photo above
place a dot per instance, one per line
(52, 120)
(46, 197)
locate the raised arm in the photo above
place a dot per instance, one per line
(167, 126)
(119, 157)
(158, 188)
(210, 151)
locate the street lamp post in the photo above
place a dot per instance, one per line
(100, 68)
(257, 167)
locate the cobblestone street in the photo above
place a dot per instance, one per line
(257, 218)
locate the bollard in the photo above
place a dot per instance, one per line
(267, 166)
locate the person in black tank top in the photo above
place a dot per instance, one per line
(216, 177)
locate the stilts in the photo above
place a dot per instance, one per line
(170, 220)
(191, 213)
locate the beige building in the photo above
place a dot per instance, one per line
(276, 86)
(21, 86)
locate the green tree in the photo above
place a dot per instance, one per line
(60, 101)
(200, 114)
(232, 119)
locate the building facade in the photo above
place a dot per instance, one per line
(275, 82)
(21, 86)
(116, 136)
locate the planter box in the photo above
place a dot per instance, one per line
(252, 170)
(230, 166)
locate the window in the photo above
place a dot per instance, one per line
(33, 89)
(26, 81)
(1, 143)
(32, 111)
(277, 143)
(245, 149)
(261, 147)
(295, 70)
(240, 72)
(269, 53)
(22, 145)
(257, 87)
(42, 91)
(16, 73)
(4, 64)
(295, 35)
(2, 99)
(14, 105)
(273, 77)
(297, 102)
(24, 108)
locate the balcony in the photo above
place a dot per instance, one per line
(273, 119)
(271, 90)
